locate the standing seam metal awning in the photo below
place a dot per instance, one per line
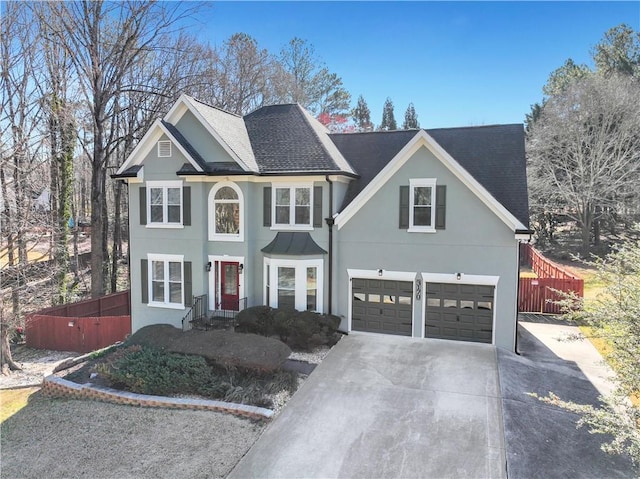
(293, 243)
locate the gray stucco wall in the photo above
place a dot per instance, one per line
(201, 139)
(475, 241)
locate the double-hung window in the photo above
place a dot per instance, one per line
(292, 206)
(166, 280)
(164, 205)
(422, 204)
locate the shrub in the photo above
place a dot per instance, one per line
(256, 320)
(152, 371)
(301, 330)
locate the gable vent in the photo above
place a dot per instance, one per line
(164, 149)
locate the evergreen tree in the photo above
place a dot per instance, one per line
(410, 118)
(362, 115)
(388, 118)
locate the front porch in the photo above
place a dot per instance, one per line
(199, 316)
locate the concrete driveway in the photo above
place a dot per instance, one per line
(542, 441)
(385, 406)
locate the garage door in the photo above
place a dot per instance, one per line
(459, 311)
(381, 306)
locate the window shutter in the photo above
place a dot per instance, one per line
(266, 204)
(404, 207)
(188, 289)
(317, 206)
(144, 276)
(143, 205)
(186, 206)
(441, 203)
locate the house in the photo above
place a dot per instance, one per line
(410, 232)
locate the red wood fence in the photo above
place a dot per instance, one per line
(536, 294)
(82, 327)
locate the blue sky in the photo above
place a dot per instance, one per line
(460, 63)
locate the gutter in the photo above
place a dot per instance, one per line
(330, 221)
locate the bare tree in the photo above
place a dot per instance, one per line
(105, 40)
(21, 171)
(584, 149)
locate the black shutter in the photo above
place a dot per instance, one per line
(404, 207)
(266, 205)
(188, 287)
(143, 205)
(144, 277)
(186, 206)
(317, 206)
(441, 206)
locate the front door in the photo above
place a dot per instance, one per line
(229, 287)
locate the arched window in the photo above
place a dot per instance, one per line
(226, 213)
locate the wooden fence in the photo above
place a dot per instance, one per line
(81, 327)
(536, 294)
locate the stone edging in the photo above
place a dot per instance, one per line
(53, 386)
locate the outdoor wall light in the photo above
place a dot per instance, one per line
(380, 272)
(458, 276)
(208, 266)
(240, 268)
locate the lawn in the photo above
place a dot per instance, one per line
(13, 400)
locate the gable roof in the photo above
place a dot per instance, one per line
(231, 130)
(286, 140)
(492, 160)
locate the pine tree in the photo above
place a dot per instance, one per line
(362, 115)
(410, 118)
(388, 118)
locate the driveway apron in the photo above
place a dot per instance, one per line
(387, 406)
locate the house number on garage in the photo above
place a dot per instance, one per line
(418, 286)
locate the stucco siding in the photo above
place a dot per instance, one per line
(201, 139)
(474, 242)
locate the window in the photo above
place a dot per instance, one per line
(294, 284)
(164, 149)
(166, 285)
(226, 213)
(292, 206)
(422, 202)
(164, 205)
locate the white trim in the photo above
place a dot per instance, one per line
(422, 138)
(164, 144)
(166, 259)
(300, 279)
(386, 275)
(213, 236)
(452, 278)
(292, 225)
(146, 144)
(422, 182)
(175, 113)
(165, 185)
(213, 286)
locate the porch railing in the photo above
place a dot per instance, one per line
(197, 312)
(199, 316)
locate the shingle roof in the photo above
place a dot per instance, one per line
(283, 140)
(185, 144)
(231, 129)
(493, 155)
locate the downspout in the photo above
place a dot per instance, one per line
(330, 222)
(517, 298)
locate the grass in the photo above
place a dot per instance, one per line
(13, 400)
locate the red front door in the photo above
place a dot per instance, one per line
(229, 287)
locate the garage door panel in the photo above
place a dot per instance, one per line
(459, 311)
(382, 306)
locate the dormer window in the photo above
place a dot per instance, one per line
(164, 149)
